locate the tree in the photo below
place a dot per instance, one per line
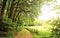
(1, 16)
(23, 9)
(11, 9)
(2, 10)
(21, 12)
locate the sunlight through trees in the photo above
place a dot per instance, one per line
(40, 18)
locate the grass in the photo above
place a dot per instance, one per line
(40, 31)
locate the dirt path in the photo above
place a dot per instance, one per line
(24, 34)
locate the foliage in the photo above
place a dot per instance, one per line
(37, 22)
(39, 34)
(56, 29)
(16, 13)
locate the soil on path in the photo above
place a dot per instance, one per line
(24, 34)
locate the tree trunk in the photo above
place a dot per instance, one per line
(11, 10)
(15, 11)
(1, 16)
(2, 10)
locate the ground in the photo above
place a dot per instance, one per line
(24, 34)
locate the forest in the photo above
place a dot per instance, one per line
(29, 18)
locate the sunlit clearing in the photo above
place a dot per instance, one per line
(58, 2)
(47, 12)
(40, 28)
